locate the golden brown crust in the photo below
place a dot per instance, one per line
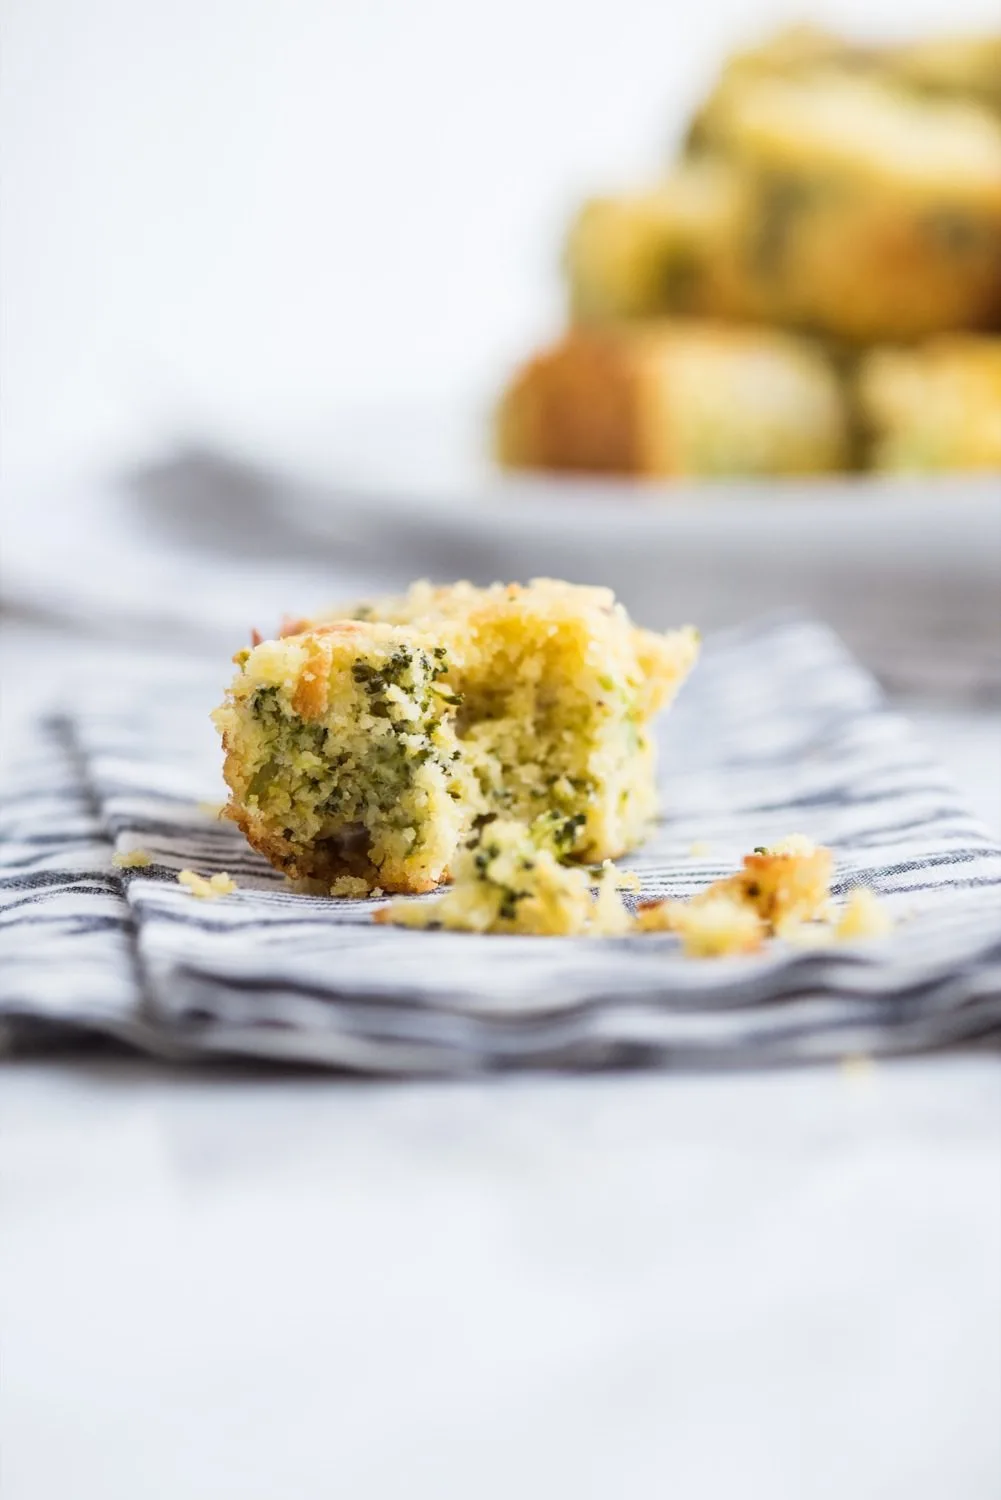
(325, 862)
(312, 690)
(574, 407)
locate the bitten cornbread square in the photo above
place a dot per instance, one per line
(366, 749)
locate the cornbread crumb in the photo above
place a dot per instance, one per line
(659, 916)
(858, 1066)
(782, 886)
(712, 925)
(788, 883)
(783, 890)
(212, 809)
(352, 887)
(507, 881)
(862, 916)
(209, 889)
(133, 859)
(717, 927)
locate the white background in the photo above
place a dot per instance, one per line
(249, 209)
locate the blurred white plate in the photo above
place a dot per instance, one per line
(908, 569)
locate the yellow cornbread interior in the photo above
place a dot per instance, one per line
(558, 690)
(369, 746)
(341, 756)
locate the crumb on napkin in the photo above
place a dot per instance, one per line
(353, 888)
(220, 884)
(133, 859)
(511, 878)
(782, 890)
(862, 916)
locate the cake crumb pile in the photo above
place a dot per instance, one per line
(511, 878)
(780, 891)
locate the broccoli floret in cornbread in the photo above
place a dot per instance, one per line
(681, 398)
(508, 880)
(369, 747)
(935, 406)
(341, 755)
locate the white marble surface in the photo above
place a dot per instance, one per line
(781, 1286)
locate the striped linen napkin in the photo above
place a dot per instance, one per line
(779, 731)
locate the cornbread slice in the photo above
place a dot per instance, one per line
(508, 879)
(936, 406)
(872, 213)
(369, 747)
(675, 399)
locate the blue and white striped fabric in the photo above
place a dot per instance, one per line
(779, 731)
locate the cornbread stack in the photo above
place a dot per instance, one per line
(849, 197)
